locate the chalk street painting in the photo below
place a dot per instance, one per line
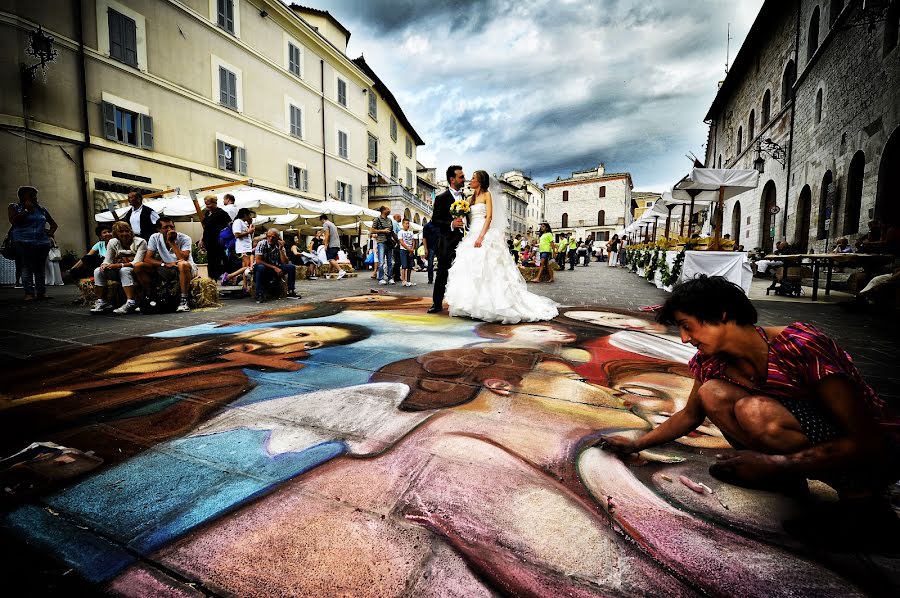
(363, 447)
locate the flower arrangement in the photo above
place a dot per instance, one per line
(460, 208)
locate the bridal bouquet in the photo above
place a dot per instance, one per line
(460, 208)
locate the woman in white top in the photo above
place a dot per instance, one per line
(243, 229)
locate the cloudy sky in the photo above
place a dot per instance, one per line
(552, 86)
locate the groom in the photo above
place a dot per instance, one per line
(451, 233)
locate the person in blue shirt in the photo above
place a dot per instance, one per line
(31, 236)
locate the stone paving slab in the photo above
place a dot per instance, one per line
(349, 443)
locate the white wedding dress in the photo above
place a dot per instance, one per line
(484, 282)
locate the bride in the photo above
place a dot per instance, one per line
(484, 282)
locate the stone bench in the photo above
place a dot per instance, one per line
(203, 292)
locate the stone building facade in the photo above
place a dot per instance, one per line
(589, 204)
(158, 94)
(813, 97)
(534, 193)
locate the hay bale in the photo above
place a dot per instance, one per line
(203, 292)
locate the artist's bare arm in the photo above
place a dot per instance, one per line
(682, 423)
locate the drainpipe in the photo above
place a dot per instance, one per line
(790, 148)
(324, 156)
(82, 81)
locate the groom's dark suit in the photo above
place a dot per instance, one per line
(446, 249)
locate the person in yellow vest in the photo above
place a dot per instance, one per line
(571, 246)
(546, 247)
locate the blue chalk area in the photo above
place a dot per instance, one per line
(152, 499)
(96, 559)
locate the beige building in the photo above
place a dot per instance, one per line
(589, 204)
(534, 194)
(391, 156)
(158, 94)
(516, 208)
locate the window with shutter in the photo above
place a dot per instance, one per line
(293, 172)
(409, 178)
(242, 159)
(294, 59)
(122, 38)
(109, 121)
(342, 144)
(226, 15)
(373, 149)
(146, 132)
(227, 88)
(602, 191)
(304, 180)
(395, 166)
(393, 128)
(350, 193)
(565, 196)
(373, 104)
(409, 147)
(342, 92)
(296, 122)
(220, 151)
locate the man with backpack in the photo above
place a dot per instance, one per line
(214, 219)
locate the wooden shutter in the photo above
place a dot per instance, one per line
(220, 150)
(304, 180)
(116, 44)
(146, 132)
(232, 90)
(292, 177)
(109, 121)
(350, 193)
(129, 30)
(223, 86)
(242, 160)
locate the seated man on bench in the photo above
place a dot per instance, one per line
(270, 256)
(168, 258)
(122, 253)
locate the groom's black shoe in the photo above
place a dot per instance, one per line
(434, 309)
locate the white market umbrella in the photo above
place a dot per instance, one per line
(716, 185)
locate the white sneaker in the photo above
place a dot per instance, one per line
(391, 281)
(313, 278)
(182, 307)
(101, 306)
(125, 308)
(411, 284)
(382, 282)
(341, 274)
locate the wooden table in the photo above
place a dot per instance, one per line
(829, 260)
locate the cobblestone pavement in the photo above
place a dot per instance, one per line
(324, 447)
(30, 329)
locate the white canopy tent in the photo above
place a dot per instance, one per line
(715, 185)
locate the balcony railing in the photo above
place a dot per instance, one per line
(389, 192)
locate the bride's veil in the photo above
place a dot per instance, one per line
(500, 217)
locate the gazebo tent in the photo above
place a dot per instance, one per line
(717, 185)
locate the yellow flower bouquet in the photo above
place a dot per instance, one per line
(460, 208)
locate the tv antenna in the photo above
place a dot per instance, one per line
(727, 48)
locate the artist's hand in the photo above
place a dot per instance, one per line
(618, 444)
(748, 467)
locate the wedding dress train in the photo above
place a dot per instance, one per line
(484, 282)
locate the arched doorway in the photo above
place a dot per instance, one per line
(416, 218)
(887, 199)
(407, 215)
(565, 220)
(804, 213)
(767, 217)
(736, 222)
(824, 208)
(853, 205)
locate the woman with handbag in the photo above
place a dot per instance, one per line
(31, 237)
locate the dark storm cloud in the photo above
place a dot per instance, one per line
(552, 86)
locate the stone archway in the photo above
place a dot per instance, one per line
(767, 218)
(887, 198)
(804, 213)
(736, 222)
